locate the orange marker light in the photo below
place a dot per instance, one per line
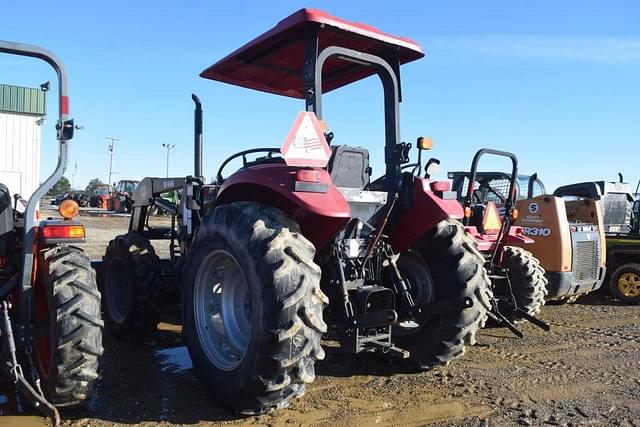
(69, 209)
(467, 212)
(425, 143)
(516, 213)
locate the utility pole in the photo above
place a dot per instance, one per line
(73, 178)
(168, 147)
(112, 142)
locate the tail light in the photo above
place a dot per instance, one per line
(62, 232)
(310, 181)
(307, 175)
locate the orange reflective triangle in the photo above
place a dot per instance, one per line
(305, 145)
(491, 222)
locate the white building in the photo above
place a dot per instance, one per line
(21, 112)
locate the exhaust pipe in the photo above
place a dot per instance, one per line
(197, 138)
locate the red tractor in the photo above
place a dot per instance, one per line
(518, 279)
(298, 243)
(100, 197)
(120, 198)
(50, 321)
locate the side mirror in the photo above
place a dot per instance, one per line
(424, 143)
(65, 130)
(431, 168)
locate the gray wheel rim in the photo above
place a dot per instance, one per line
(222, 308)
(422, 291)
(119, 293)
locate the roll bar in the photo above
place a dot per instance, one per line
(64, 131)
(386, 70)
(508, 203)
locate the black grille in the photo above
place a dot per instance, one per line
(587, 260)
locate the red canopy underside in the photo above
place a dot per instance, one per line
(273, 62)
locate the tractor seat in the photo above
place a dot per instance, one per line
(477, 214)
(349, 167)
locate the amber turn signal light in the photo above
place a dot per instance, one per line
(516, 214)
(425, 143)
(467, 212)
(69, 209)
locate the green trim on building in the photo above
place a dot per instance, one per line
(23, 100)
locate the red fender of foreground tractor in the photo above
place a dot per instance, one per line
(487, 242)
(320, 211)
(427, 209)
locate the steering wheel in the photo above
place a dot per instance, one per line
(243, 154)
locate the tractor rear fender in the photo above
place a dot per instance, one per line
(426, 211)
(318, 207)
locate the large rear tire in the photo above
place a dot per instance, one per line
(130, 285)
(457, 272)
(528, 284)
(252, 307)
(68, 302)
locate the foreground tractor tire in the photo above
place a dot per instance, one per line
(252, 307)
(528, 284)
(625, 283)
(67, 301)
(130, 285)
(457, 272)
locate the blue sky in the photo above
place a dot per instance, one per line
(555, 82)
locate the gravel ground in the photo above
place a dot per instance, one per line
(585, 371)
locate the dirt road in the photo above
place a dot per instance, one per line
(586, 371)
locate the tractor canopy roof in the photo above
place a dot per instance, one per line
(273, 62)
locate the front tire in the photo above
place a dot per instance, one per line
(528, 284)
(625, 283)
(457, 271)
(68, 302)
(252, 307)
(130, 284)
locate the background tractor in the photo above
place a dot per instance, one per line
(50, 322)
(298, 243)
(622, 232)
(519, 284)
(100, 197)
(120, 199)
(566, 229)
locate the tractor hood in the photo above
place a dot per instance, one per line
(273, 62)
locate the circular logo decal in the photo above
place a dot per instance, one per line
(534, 208)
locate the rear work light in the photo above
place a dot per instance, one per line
(62, 232)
